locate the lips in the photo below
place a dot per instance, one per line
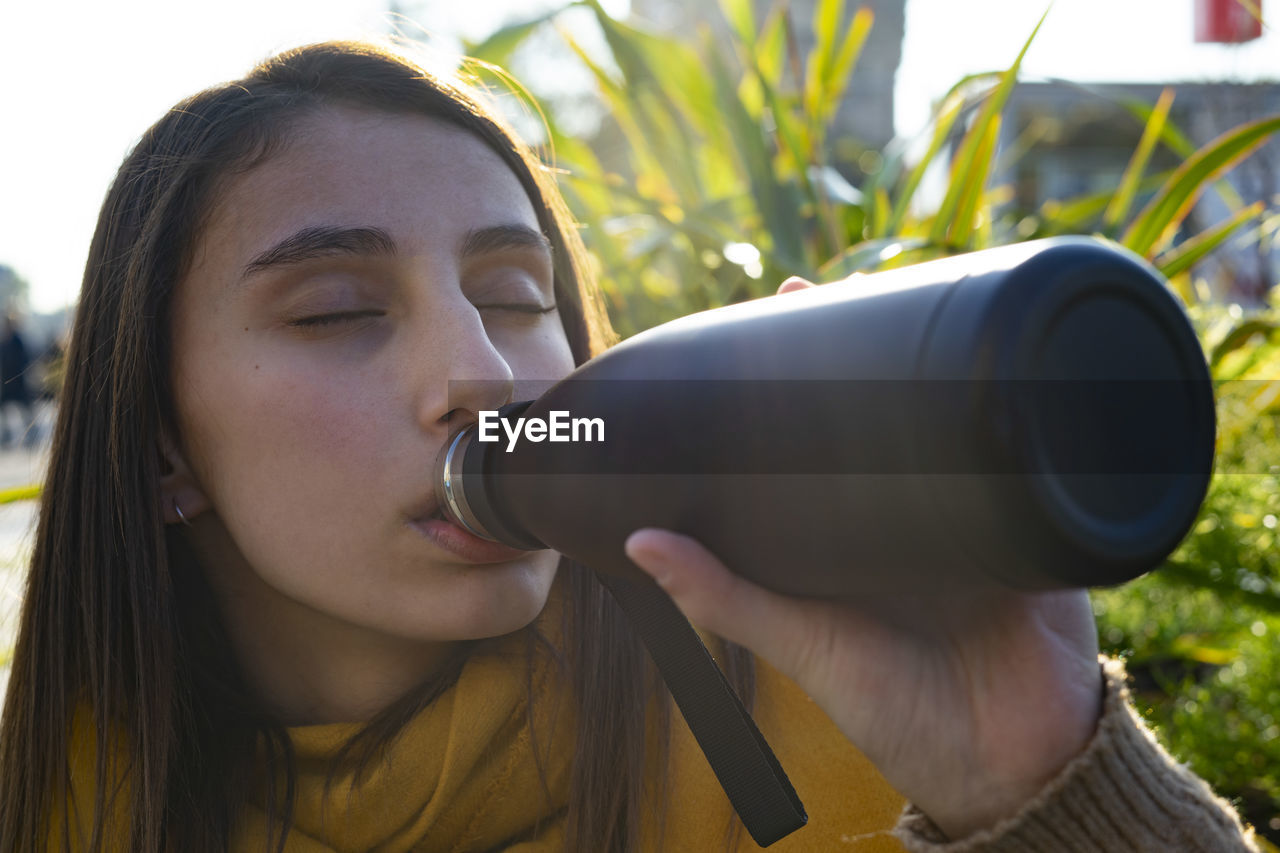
(429, 520)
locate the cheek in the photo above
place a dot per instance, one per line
(257, 426)
(544, 355)
(294, 462)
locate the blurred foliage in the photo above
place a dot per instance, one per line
(1202, 634)
(19, 493)
(725, 182)
(716, 176)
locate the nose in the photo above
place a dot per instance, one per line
(471, 375)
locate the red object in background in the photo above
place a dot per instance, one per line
(1228, 21)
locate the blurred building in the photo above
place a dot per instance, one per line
(1062, 140)
(866, 115)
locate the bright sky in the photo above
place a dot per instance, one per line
(83, 78)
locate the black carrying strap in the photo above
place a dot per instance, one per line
(751, 776)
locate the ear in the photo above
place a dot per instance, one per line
(179, 488)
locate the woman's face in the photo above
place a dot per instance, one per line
(336, 290)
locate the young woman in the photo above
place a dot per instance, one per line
(248, 628)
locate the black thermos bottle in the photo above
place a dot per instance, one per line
(1037, 415)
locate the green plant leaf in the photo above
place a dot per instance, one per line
(973, 86)
(1267, 397)
(767, 194)
(498, 47)
(564, 148)
(880, 211)
(769, 59)
(1192, 647)
(673, 104)
(765, 63)
(960, 232)
(830, 65)
(946, 111)
(741, 19)
(826, 20)
(1242, 334)
(796, 148)
(840, 71)
(1080, 214)
(1118, 209)
(1180, 144)
(1171, 135)
(19, 493)
(1190, 251)
(867, 255)
(1157, 221)
(655, 144)
(966, 170)
(946, 119)
(665, 66)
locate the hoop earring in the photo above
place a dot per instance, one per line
(178, 510)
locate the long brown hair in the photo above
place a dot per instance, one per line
(116, 626)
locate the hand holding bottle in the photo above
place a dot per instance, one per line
(967, 707)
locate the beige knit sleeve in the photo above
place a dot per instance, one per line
(1123, 793)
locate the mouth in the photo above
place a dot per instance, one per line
(431, 522)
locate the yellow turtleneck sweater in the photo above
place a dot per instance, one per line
(463, 777)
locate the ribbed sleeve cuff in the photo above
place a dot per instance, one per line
(1123, 793)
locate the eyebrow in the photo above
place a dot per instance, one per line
(321, 241)
(482, 241)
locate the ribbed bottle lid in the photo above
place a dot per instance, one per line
(1111, 407)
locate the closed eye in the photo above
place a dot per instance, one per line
(521, 307)
(319, 320)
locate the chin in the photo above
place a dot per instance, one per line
(506, 601)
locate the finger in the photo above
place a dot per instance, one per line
(715, 599)
(795, 282)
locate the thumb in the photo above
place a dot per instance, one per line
(794, 283)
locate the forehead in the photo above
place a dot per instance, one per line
(424, 181)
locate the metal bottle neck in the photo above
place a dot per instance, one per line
(452, 495)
